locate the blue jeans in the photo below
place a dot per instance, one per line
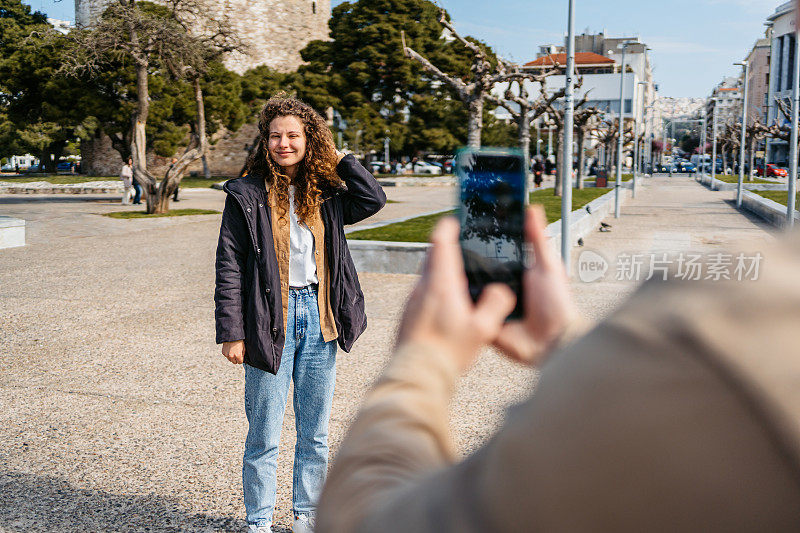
(311, 363)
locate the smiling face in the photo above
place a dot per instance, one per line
(287, 142)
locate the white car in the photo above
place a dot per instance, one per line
(422, 167)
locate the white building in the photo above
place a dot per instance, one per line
(63, 26)
(782, 23)
(598, 63)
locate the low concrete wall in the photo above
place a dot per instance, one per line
(12, 232)
(717, 185)
(43, 187)
(388, 257)
(769, 210)
(408, 257)
(586, 220)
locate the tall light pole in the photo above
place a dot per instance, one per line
(566, 178)
(702, 161)
(618, 182)
(714, 143)
(793, 146)
(746, 65)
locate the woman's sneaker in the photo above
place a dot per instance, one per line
(303, 523)
(259, 529)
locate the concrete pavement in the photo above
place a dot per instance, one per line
(120, 414)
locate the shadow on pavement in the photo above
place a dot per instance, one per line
(43, 503)
(752, 217)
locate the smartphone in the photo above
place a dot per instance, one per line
(491, 209)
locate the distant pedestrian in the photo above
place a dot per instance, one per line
(126, 175)
(538, 172)
(177, 187)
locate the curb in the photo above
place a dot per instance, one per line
(769, 210)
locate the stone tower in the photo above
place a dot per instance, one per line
(274, 30)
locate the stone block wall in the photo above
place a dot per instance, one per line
(226, 156)
(274, 31)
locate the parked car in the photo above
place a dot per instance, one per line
(686, 167)
(64, 166)
(772, 171)
(423, 167)
(378, 167)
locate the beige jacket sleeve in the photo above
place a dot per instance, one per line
(648, 423)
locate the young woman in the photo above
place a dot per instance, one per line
(287, 292)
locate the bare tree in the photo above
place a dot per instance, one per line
(607, 133)
(184, 38)
(556, 118)
(524, 111)
(584, 120)
(483, 77)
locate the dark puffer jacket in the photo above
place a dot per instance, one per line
(248, 292)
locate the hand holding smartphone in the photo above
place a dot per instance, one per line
(491, 208)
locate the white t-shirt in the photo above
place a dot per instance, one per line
(302, 266)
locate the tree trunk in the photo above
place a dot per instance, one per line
(475, 124)
(206, 168)
(524, 134)
(724, 161)
(753, 141)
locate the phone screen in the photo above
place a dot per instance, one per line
(492, 213)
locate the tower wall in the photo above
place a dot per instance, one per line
(274, 31)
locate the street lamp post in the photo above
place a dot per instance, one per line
(566, 178)
(714, 144)
(703, 139)
(790, 203)
(618, 182)
(746, 65)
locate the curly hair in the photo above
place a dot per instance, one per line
(318, 167)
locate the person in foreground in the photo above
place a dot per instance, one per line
(680, 412)
(287, 292)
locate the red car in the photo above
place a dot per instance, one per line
(772, 171)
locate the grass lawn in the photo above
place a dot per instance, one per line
(735, 179)
(418, 229)
(781, 197)
(170, 213)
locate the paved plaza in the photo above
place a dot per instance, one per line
(120, 414)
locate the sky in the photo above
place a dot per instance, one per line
(694, 42)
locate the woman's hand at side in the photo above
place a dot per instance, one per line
(234, 351)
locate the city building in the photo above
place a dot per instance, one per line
(63, 26)
(598, 62)
(725, 102)
(758, 82)
(782, 33)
